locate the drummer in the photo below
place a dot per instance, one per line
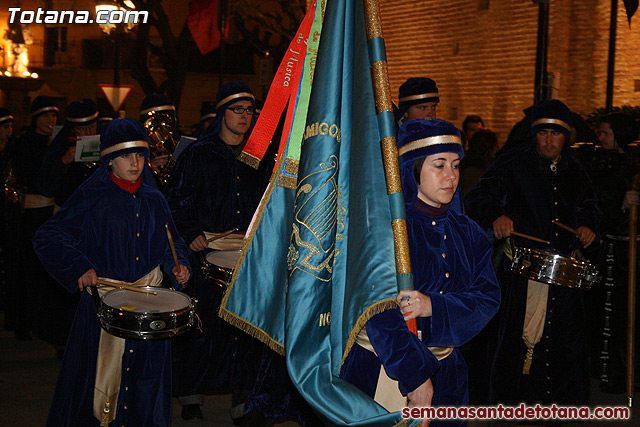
(211, 192)
(112, 226)
(540, 347)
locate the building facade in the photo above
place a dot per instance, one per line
(482, 54)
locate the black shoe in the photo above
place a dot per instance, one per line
(191, 412)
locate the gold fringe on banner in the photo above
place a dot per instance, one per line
(225, 314)
(379, 307)
(252, 330)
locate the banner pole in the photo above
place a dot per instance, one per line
(386, 124)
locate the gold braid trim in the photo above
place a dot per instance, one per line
(288, 182)
(401, 246)
(377, 308)
(290, 167)
(227, 315)
(391, 165)
(372, 16)
(249, 159)
(382, 96)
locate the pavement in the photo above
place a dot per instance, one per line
(28, 372)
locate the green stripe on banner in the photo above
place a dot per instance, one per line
(302, 102)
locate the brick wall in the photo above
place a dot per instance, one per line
(484, 60)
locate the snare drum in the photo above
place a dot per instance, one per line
(218, 266)
(553, 269)
(129, 314)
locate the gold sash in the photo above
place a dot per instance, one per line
(109, 362)
(34, 201)
(535, 313)
(231, 242)
(387, 391)
(534, 316)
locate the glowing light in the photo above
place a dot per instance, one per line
(105, 7)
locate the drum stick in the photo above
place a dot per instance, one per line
(125, 286)
(173, 247)
(526, 236)
(221, 235)
(569, 229)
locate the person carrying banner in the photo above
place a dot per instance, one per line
(456, 291)
(540, 351)
(113, 226)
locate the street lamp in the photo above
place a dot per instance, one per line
(116, 29)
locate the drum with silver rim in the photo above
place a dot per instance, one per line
(553, 269)
(129, 314)
(218, 266)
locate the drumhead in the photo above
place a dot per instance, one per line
(166, 300)
(224, 259)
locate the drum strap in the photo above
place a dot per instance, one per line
(535, 313)
(387, 391)
(109, 363)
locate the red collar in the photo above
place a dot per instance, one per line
(129, 186)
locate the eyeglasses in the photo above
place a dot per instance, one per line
(240, 110)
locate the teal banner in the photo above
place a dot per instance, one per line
(255, 299)
(341, 253)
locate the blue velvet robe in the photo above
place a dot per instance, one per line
(210, 190)
(122, 236)
(29, 152)
(55, 179)
(464, 295)
(522, 185)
